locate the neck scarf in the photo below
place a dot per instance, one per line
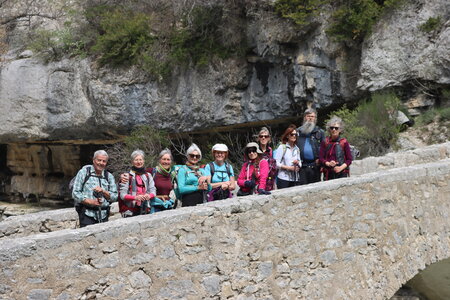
(138, 171)
(194, 168)
(161, 170)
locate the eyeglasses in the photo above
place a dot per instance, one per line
(334, 128)
(220, 152)
(264, 136)
(293, 134)
(197, 156)
(251, 150)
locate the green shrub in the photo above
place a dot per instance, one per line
(125, 37)
(431, 24)
(444, 114)
(353, 20)
(53, 45)
(300, 11)
(426, 118)
(200, 39)
(371, 127)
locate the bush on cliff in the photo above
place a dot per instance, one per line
(351, 20)
(300, 11)
(152, 38)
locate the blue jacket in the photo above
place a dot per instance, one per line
(188, 180)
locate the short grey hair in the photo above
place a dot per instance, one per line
(193, 148)
(100, 152)
(310, 111)
(336, 120)
(164, 152)
(136, 153)
(264, 129)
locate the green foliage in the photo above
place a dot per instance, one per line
(53, 45)
(354, 20)
(431, 24)
(439, 115)
(125, 37)
(371, 127)
(144, 137)
(444, 114)
(200, 39)
(300, 11)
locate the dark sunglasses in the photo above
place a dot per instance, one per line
(293, 134)
(194, 156)
(251, 150)
(334, 128)
(264, 136)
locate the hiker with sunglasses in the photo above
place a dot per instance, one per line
(220, 174)
(254, 172)
(192, 180)
(288, 159)
(335, 155)
(264, 139)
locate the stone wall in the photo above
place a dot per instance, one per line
(355, 238)
(401, 159)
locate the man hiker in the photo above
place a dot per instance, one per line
(94, 189)
(310, 136)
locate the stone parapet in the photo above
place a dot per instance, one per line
(401, 159)
(355, 238)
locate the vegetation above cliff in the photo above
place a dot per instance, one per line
(151, 38)
(161, 37)
(351, 20)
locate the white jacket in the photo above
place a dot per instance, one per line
(284, 156)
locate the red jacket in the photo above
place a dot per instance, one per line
(248, 173)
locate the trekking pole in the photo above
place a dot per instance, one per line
(99, 214)
(99, 210)
(141, 208)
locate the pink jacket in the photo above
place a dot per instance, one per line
(247, 173)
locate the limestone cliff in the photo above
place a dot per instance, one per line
(52, 111)
(285, 70)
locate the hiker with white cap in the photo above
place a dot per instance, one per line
(220, 174)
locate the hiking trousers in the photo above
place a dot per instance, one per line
(281, 184)
(86, 220)
(193, 199)
(309, 174)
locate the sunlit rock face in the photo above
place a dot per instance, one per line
(399, 50)
(284, 70)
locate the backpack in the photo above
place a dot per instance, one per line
(273, 170)
(86, 178)
(175, 194)
(211, 167)
(340, 156)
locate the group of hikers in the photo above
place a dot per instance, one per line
(304, 156)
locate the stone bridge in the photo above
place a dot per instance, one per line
(361, 237)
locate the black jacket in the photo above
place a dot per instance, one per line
(316, 137)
